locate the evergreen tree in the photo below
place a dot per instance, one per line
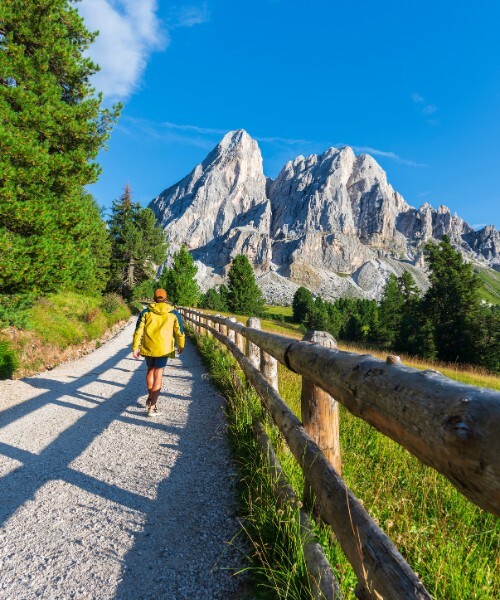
(224, 297)
(317, 317)
(302, 304)
(487, 348)
(214, 300)
(413, 332)
(452, 303)
(179, 280)
(335, 319)
(244, 294)
(138, 243)
(390, 312)
(52, 129)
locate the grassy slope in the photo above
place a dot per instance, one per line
(54, 324)
(490, 291)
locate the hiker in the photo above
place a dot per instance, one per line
(158, 327)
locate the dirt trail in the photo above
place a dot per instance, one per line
(99, 501)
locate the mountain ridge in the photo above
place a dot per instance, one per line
(329, 221)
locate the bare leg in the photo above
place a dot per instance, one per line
(154, 391)
(150, 381)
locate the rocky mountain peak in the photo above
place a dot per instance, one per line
(329, 221)
(215, 197)
(237, 143)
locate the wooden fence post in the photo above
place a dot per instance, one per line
(269, 368)
(217, 325)
(240, 342)
(231, 333)
(320, 413)
(253, 351)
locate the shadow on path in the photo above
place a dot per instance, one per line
(179, 548)
(183, 551)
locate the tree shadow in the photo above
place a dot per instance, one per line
(181, 551)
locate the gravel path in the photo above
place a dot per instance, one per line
(99, 501)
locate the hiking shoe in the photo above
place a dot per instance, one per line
(152, 411)
(148, 402)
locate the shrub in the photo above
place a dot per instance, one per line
(146, 289)
(14, 310)
(90, 315)
(8, 360)
(136, 307)
(111, 302)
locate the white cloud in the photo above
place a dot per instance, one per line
(424, 107)
(385, 154)
(129, 31)
(206, 137)
(429, 109)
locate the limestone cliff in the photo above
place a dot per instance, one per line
(330, 222)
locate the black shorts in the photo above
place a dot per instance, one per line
(156, 362)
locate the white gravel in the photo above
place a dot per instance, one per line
(99, 501)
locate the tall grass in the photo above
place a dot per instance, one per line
(67, 318)
(449, 542)
(276, 565)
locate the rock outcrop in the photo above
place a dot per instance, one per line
(330, 222)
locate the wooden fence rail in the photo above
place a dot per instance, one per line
(450, 426)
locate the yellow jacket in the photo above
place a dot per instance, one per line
(158, 327)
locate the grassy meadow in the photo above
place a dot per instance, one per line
(490, 289)
(449, 542)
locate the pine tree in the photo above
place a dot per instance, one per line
(179, 280)
(302, 304)
(245, 296)
(409, 337)
(138, 243)
(452, 302)
(390, 312)
(52, 129)
(214, 300)
(317, 317)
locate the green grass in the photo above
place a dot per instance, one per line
(449, 542)
(52, 324)
(490, 290)
(8, 360)
(278, 311)
(276, 566)
(68, 318)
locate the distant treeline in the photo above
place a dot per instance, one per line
(449, 322)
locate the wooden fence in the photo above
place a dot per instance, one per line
(450, 426)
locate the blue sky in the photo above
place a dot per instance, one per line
(415, 84)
